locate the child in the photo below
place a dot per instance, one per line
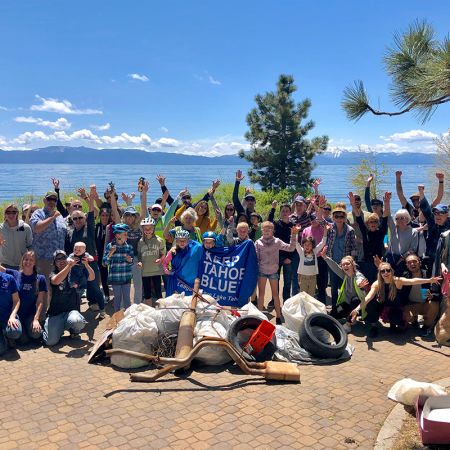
(118, 258)
(211, 240)
(78, 275)
(307, 267)
(267, 248)
(255, 229)
(151, 249)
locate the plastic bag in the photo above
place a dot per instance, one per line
(406, 391)
(137, 331)
(212, 323)
(296, 308)
(251, 310)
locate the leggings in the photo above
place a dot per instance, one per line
(152, 287)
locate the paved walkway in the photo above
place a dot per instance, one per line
(51, 398)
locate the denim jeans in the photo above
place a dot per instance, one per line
(294, 267)
(27, 329)
(94, 293)
(137, 283)
(121, 296)
(10, 333)
(287, 279)
(55, 325)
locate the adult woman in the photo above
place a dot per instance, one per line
(403, 239)
(100, 242)
(351, 293)
(384, 299)
(229, 212)
(203, 221)
(64, 311)
(16, 238)
(32, 288)
(188, 219)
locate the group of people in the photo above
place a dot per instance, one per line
(378, 265)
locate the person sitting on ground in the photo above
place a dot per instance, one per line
(373, 231)
(352, 290)
(384, 300)
(419, 299)
(150, 251)
(267, 247)
(64, 312)
(16, 238)
(32, 288)
(118, 257)
(10, 326)
(77, 276)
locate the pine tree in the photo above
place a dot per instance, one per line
(280, 152)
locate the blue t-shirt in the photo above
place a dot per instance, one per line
(28, 291)
(8, 287)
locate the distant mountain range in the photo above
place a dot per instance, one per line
(85, 155)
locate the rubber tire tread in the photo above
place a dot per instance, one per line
(315, 346)
(252, 322)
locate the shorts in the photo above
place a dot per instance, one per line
(273, 276)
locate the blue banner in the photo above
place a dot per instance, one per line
(229, 274)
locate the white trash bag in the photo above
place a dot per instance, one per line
(296, 308)
(406, 391)
(137, 331)
(215, 324)
(251, 310)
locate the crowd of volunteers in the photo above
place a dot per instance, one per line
(379, 264)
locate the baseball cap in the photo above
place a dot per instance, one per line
(50, 194)
(299, 199)
(442, 208)
(156, 206)
(249, 197)
(130, 210)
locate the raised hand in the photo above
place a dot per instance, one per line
(239, 176)
(274, 204)
(351, 198)
(398, 173)
(161, 179)
(145, 187)
(82, 192)
(377, 260)
(370, 178)
(55, 182)
(440, 176)
(387, 197)
(215, 184)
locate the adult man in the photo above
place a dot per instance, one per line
(249, 198)
(418, 299)
(372, 204)
(15, 238)
(10, 328)
(437, 221)
(49, 231)
(413, 208)
(351, 219)
(84, 231)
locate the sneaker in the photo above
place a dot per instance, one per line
(100, 315)
(373, 331)
(74, 335)
(347, 327)
(426, 332)
(94, 307)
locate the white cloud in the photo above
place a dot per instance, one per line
(214, 81)
(105, 127)
(411, 136)
(168, 142)
(61, 107)
(3, 108)
(59, 124)
(137, 76)
(164, 129)
(29, 136)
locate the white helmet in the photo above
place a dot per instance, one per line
(147, 221)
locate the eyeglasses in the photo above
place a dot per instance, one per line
(77, 218)
(11, 212)
(401, 218)
(385, 270)
(413, 261)
(338, 216)
(76, 206)
(326, 209)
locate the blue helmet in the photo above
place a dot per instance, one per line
(209, 235)
(120, 228)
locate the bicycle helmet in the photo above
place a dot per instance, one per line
(182, 234)
(147, 221)
(209, 235)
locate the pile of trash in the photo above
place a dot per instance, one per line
(309, 335)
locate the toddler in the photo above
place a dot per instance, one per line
(78, 275)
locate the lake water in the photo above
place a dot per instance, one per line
(18, 180)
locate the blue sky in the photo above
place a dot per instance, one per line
(181, 76)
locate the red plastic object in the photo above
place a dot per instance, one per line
(260, 337)
(433, 431)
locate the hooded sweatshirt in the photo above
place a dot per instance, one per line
(267, 252)
(18, 241)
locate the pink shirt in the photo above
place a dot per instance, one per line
(316, 233)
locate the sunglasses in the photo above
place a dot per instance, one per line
(229, 209)
(326, 209)
(77, 218)
(156, 209)
(401, 218)
(76, 206)
(60, 258)
(439, 213)
(385, 271)
(338, 216)
(186, 197)
(11, 212)
(373, 221)
(413, 261)
(51, 199)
